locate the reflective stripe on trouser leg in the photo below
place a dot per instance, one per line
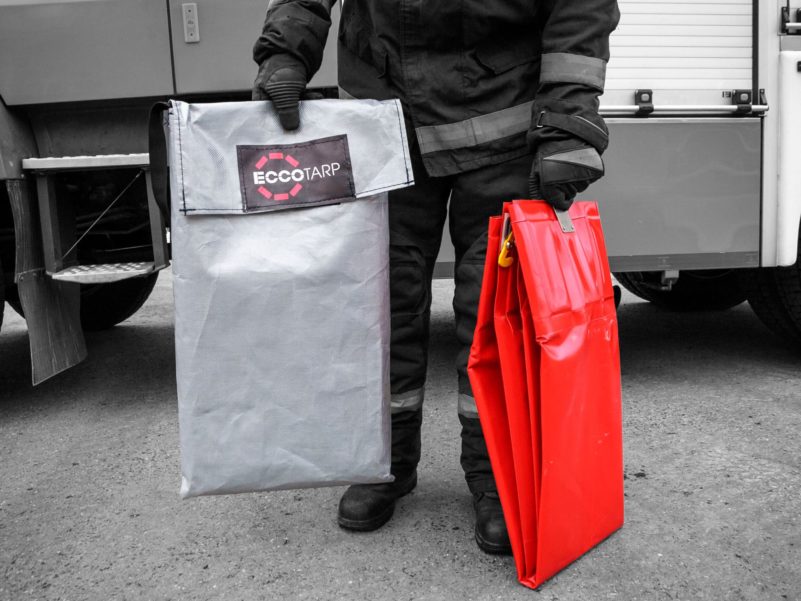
(467, 406)
(407, 401)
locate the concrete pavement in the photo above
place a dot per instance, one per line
(89, 478)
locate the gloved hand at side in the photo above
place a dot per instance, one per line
(562, 169)
(282, 79)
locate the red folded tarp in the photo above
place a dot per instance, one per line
(545, 371)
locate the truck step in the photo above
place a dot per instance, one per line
(103, 274)
(85, 163)
(57, 219)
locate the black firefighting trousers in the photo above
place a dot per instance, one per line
(416, 219)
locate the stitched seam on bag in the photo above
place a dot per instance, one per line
(541, 218)
(331, 201)
(372, 191)
(308, 205)
(402, 129)
(404, 142)
(181, 159)
(242, 188)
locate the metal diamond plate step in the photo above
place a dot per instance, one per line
(103, 274)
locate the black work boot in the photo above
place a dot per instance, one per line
(490, 530)
(366, 507)
(491, 534)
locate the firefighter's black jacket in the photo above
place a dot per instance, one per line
(477, 78)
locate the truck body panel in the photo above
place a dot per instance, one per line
(221, 60)
(788, 197)
(768, 47)
(681, 193)
(83, 50)
(702, 174)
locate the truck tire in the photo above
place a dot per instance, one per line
(774, 294)
(103, 306)
(707, 290)
(630, 282)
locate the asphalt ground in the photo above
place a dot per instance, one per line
(89, 479)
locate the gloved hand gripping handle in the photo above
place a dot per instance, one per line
(282, 79)
(563, 168)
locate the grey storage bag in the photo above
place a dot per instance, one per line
(280, 261)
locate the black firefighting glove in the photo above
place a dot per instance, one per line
(562, 169)
(282, 78)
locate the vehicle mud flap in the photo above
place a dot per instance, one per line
(52, 308)
(159, 169)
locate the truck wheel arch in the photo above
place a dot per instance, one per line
(708, 290)
(774, 294)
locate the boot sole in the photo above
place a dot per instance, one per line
(492, 548)
(376, 522)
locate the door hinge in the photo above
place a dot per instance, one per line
(644, 99)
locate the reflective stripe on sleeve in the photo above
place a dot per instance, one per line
(467, 406)
(562, 67)
(582, 157)
(406, 401)
(475, 131)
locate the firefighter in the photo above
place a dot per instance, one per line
(501, 102)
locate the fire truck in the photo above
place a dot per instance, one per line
(701, 202)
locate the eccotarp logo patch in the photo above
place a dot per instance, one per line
(312, 173)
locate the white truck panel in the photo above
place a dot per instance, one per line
(769, 47)
(688, 53)
(636, 53)
(789, 193)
